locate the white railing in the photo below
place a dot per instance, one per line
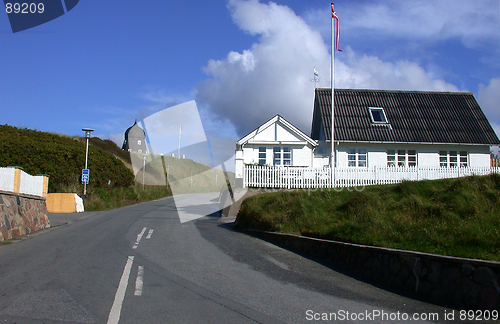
(304, 177)
(13, 179)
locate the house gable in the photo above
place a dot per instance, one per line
(277, 130)
(411, 117)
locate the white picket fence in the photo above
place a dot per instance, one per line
(27, 184)
(303, 177)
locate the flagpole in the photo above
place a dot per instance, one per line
(332, 152)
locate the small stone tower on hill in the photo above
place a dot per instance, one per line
(135, 139)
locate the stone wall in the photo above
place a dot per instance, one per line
(463, 283)
(21, 214)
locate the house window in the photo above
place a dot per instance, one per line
(262, 155)
(464, 159)
(377, 115)
(357, 158)
(412, 158)
(139, 142)
(443, 159)
(282, 156)
(453, 159)
(402, 158)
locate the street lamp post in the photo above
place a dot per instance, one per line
(87, 136)
(143, 171)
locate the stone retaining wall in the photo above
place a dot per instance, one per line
(463, 283)
(21, 214)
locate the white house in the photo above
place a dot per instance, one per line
(274, 143)
(377, 129)
(403, 128)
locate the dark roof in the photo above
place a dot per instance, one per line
(136, 131)
(412, 116)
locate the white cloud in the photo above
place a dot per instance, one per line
(273, 76)
(371, 72)
(489, 100)
(471, 21)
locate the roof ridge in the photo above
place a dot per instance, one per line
(398, 91)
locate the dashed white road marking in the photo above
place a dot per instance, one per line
(149, 234)
(139, 281)
(139, 237)
(114, 314)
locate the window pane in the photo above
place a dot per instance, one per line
(351, 151)
(352, 163)
(391, 158)
(276, 149)
(463, 159)
(453, 158)
(378, 116)
(401, 158)
(262, 155)
(443, 159)
(287, 149)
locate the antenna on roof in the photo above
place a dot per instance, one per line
(316, 78)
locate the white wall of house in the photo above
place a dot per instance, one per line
(427, 155)
(301, 153)
(271, 135)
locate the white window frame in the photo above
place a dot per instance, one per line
(262, 154)
(139, 142)
(282, 156)
(384, 117)
(357, 158)
(402, 158)
(453, 159)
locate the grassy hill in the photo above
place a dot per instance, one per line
(455, 217)
(112, 181)
(62, 158)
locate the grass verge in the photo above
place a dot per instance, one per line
(112, 197)
(455, 217)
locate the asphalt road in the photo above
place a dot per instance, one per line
(140, 264)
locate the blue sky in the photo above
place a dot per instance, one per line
(105, 63)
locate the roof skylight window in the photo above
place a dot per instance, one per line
(378, 115)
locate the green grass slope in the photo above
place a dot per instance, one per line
(455, 217)
(62, 158)
(112, 181)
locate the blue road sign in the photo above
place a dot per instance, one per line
(85, 175)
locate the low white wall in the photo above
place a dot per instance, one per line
(7, 179)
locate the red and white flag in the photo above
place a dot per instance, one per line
(334, 16)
